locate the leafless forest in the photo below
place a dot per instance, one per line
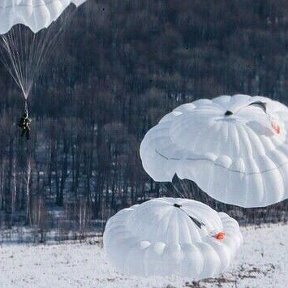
(120, 66)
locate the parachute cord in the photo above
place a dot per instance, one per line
(198, 223)
(26, 108)
(262, 105)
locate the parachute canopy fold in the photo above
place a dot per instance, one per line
(161, 237)
(35, 14)
(234, 147)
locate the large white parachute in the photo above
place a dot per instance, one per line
(168, 236)
(36, 14)
(234, 147)
(23, 49)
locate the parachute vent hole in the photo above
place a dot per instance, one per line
(228, 113)
(177, 205)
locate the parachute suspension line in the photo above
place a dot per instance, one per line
(191, 190)
(260, 104)
(177, 190)
(185, 188)
(198, 223)
(26, 110)
(24, 51)
(15, 71)
(17, 57)
(181, 187)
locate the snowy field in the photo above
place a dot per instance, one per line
(263, 262)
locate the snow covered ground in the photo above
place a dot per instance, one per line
(263, 262)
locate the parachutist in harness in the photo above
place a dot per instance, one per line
(24, 123)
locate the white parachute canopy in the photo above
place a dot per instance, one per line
(168, 236)
(35, 14)
(23, 49)
(234, 147)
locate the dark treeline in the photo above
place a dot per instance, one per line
(120, 67)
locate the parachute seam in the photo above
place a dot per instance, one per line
(219, 165)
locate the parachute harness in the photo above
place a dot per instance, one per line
(24, 122)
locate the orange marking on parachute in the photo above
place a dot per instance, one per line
(220, 236)
(276, 127)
